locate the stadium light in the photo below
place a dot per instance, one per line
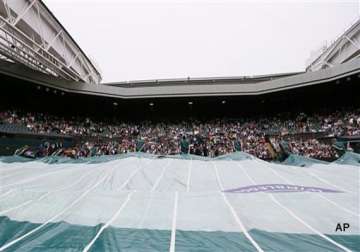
(223, 102)
(190, 103)
(151, 104)
(115, 104)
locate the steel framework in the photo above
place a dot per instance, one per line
(31, 35)
(343, 49)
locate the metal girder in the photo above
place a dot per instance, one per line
(37, 54)
(53, 40)
(40, 52)
(39, 25)
(73, 61)
(340, 50)
(357, 46)
(43, 39)
(21, 15)
(7, 9)
(90, 72)
(327, 63)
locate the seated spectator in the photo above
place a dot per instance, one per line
(211, 138)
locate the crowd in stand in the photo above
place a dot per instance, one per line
(211, 138)
(312, 148)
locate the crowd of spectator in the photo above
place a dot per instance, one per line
(210, 138)
(312, 148)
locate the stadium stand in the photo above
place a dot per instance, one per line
(204, 138)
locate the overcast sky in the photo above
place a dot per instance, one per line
(148, 39)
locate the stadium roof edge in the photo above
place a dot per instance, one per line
(186, 90)
(355, 26)
(215, 78)
(68, 34)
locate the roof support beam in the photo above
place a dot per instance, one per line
(328, 64)
(357, 46)
(341, 49)
(8, 13)
(41, 31)
(20, 16)
(73, 61)
(87, 67)
(44, 39)
(53, 40)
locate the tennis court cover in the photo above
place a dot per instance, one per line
(182, 203)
